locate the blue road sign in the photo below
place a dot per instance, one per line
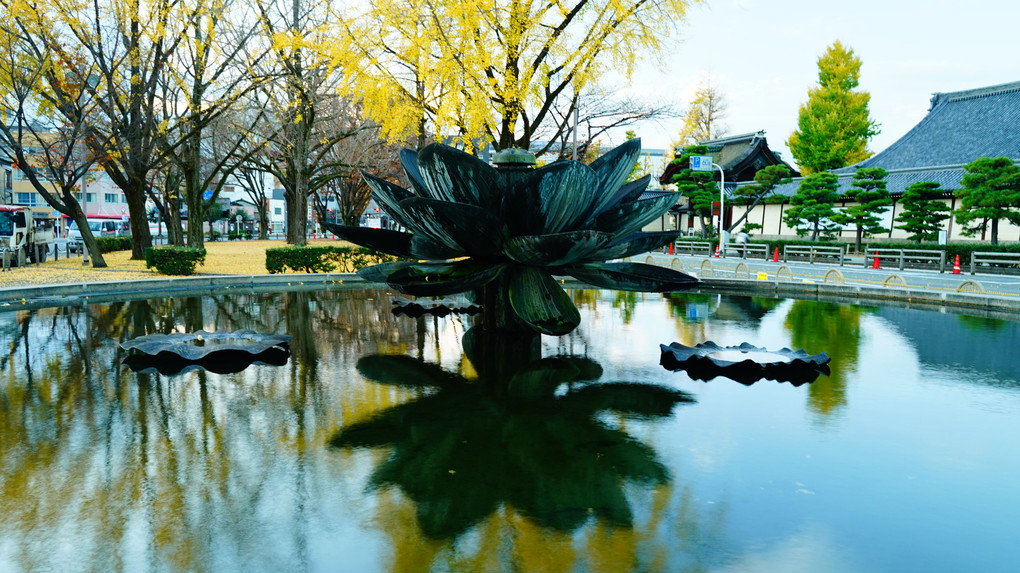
(701, 163)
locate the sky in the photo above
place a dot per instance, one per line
(762, 56)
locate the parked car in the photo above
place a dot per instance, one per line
(99, 228)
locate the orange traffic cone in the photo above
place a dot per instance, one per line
(876, 265)
(956, 265)
(775, 256)
(671, 248)
(717, 250)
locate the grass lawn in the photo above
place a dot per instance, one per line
(222, 258)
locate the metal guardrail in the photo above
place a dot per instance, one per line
(995, 260)
(692, 247)
(813, 252)
(917, 258)
(747, 249)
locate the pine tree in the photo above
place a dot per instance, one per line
(813, 204)
(871, 197)
(991, 191)
(699, 187)
(834, 126)
(922, 213)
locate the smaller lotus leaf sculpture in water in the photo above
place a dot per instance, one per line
(745, 363)
(503, 234)
(219, 352)
(441, 307)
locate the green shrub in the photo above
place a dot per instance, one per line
(174, 260)
(319, 259)
(111, 244)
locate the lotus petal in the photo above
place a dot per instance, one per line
(613, 168)
(428, 249)
(540, 302)
(459, 226)
(627, 194)
(403, 370)
(631, 276)
(389, 196)
(381, 273)
(558, 249)
(392, 242)
(540, 378)
(637, 243)
(409, 161)
(627, 218)
(449, 174)
(567, 192)
(442, 279)
(645, 400)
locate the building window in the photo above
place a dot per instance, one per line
(90, 199)
(31, 199)
(110, 197)
(278, 211)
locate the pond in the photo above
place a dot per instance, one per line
(379, 446)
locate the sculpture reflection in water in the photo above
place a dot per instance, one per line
(526, 436)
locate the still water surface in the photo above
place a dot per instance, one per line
(380, 446)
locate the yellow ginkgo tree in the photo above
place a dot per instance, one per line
(491, 70)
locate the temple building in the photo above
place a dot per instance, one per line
(740, 157)
(959, 128)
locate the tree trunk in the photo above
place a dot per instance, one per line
(89, 241)
(140, 235)
(297, 209)
(263, 223)
(995, 231)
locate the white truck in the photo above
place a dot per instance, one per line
(26, 234)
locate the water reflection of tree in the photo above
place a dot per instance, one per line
(626, 302)
(836, 330)
(140, 471)
(181, 460)
(523, 442)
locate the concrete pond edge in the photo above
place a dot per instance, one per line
(101, 291)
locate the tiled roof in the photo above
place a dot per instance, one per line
(959, 128)
(738, 155)
(947, 177)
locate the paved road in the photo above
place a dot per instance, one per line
(851, 274)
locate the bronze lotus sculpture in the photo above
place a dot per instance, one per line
(503, 234)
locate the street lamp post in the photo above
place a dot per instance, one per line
(705, 163)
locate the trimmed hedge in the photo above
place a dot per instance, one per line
(174, 260)
(316, 259)
(111, 244)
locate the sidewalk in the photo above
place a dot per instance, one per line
(832, 281)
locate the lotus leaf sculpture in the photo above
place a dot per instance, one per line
(220, 352)
(504, 234)
(745, 363)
